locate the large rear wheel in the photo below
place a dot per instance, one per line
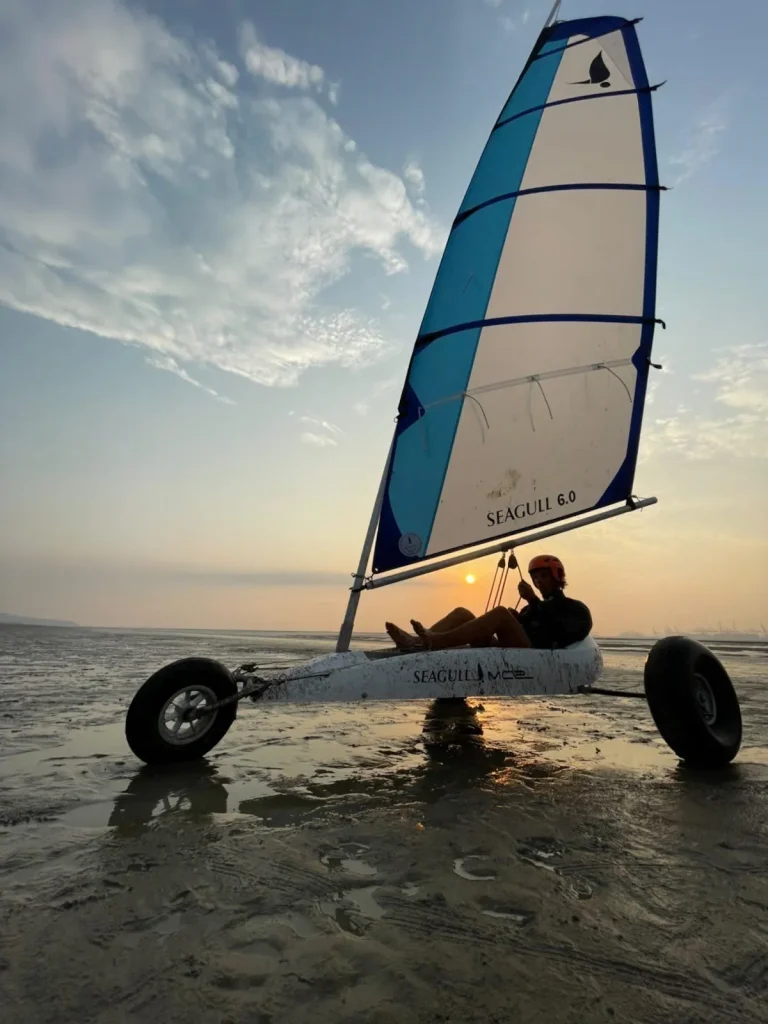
(167, 719)
(693, 702)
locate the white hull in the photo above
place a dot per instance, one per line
(432, 675)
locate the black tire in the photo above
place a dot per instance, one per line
(693, 702)
(146, 736)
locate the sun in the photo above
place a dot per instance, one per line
(469, 578)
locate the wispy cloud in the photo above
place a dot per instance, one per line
(277, 66)
(318, 440)
(381, 389)
(741, 376)
(740, 379)
(704, 143)
(152, 193)
(323, 433)
(414, 175)
(162, 362)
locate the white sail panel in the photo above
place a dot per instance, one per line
(529, 410)
(535, 452)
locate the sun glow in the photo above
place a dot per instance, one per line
(469, 578)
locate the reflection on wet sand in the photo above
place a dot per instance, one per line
(456, 756)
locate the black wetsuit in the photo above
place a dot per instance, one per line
(555, 621)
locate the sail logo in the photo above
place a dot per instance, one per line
(410, 545)
(599, 74)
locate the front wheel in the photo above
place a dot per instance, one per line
(166, 721)
(693, 702)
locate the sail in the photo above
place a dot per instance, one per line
(524, 396)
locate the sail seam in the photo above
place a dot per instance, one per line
(576, 186)
(574, 99)
(534, 318)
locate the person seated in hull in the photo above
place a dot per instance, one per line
(548, 622)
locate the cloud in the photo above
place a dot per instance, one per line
(277, 66)
(704, 143)
(324, 434)
(414, 175)
(151, 194)
(318, 440)
(740, 377)
(507, 23)
(161, 362)
(380, 389)
(741, 374)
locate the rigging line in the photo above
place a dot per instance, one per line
(543, 395)
(499, 565)
(618, 378)
(503, 585)
(520, 597)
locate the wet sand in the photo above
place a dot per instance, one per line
(328, 864)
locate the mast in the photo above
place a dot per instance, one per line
(553, 13)
(348, 625)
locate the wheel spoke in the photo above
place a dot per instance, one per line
(185, 717)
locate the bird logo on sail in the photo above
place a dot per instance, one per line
(599, 73)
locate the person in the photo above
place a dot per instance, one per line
(551, 621)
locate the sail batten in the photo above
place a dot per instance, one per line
(548, 274)
(573, 99)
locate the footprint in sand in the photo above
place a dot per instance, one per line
(474, 868)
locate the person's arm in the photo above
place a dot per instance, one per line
(569, 624)
(526, 591)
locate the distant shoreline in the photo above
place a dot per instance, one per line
(745, 637)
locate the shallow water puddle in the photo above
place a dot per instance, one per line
(353, 865)
(351, 904)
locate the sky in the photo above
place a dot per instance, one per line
(219, 227)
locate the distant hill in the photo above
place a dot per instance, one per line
(23, 620)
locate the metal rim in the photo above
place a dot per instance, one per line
(180, 721)
(705, 698)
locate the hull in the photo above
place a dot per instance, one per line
(435, 675)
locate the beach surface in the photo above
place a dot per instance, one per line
(324, 863)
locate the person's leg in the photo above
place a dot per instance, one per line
(453, 619)
(498, 622)
(405, 641)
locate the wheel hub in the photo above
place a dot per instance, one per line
(705, 698)
(183, 718)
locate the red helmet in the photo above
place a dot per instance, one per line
(554, 565)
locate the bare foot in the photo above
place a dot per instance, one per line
(423, 633)
(403, 641)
